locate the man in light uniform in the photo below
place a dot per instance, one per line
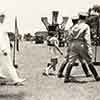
(72, 32)
(81, 47)
(7, 69)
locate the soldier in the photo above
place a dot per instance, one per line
(54, 49)
(81, 47)
(72, 33)
(6, 67)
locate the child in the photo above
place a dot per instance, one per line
(53, 44)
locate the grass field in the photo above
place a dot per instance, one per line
(32, 60)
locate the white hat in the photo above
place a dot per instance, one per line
(2, 12)
(75, 17)
(85, 14)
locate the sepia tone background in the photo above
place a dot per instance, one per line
(32, 58)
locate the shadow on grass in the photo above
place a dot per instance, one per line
(80, 76)
(74, 80)
(11, 84)
(12, 96)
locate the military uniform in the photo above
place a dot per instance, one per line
(81, 47)
(73, 31)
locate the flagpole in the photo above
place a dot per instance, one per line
(15, 42)
(14, 51)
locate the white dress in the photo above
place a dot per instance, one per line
(6, 66)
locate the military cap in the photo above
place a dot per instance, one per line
(85, 14)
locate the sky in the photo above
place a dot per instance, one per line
(29, 12)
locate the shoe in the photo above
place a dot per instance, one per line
(2, 76)
(88, 75)
(97, 78)
(3, 83)
(67, 80)
(16, 66)
(19, 81)
(60, 75)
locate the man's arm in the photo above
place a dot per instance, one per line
(88, 37)
(58, 49)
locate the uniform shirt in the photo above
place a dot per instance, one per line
(53, 50)
(82, 32)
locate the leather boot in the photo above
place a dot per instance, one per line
(85, 69)
(60, 72)
(67, 74)
(94, 72)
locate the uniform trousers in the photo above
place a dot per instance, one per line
(78, 49)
